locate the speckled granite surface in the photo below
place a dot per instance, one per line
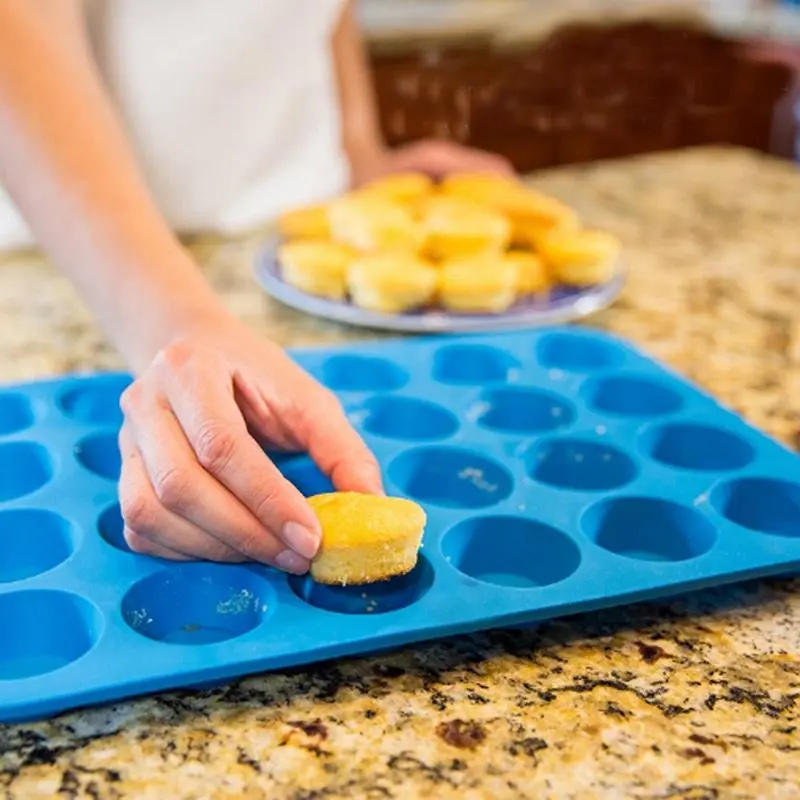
(696, 699)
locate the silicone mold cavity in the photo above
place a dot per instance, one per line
(406, 418)
(32, 541)
(16, 413)
(472, 365)
(511, 551)
(197, 604)
(24, 468)
(306, 476)
(523, 411)
(374, 598)
(362, 374)
(633, 397)
(580, 464)
(573, 352)
(698, 447)
(112, 528)
(760, 504)
(649, 529)
(452, 477)
(99, 454)
(42, 631)
(95, 403)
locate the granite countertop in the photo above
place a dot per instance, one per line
(697, 699)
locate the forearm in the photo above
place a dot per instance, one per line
(65, 161)
(361, 133)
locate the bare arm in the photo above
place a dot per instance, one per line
(66, 163)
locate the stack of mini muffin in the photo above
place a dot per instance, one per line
(471, 244)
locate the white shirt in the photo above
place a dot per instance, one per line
(230, 106)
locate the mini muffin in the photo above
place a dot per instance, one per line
(535, 216)
(478, 284)
(391, 282)
(365, 538)
(369, 222)
(316, 267)
(533, 276)
(581, 257)
(306, 222)
(457, 227)
(409, 188)
(486, 189)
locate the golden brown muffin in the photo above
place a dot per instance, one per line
(391, 282)
(370, 222)
(581, 257)
(479, 284)
(316, 267)
(306, 222)
(408, 188)
(365, 538)
(484, 188)
(533, 276)
(535, 216)
(456, 227)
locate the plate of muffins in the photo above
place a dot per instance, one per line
(471, 252)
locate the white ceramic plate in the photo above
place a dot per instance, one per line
(563, 304)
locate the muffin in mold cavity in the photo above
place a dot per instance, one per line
(374, 598)
(44, 630)
(32, 541)
(357, 373)
(633, 396)
(473, 365)
(95, 402)
(576, 352)
(649, 529)
(522, 410)
(452, 477)
(511, 551)
(762, 505)
(24, 468)
(580, 465)
(702, 448)
(405, 418)
(197, 604)
(16, 413)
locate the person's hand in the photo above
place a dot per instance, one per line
(430, 156)
(195, 481)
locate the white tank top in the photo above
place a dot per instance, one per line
(230, 106)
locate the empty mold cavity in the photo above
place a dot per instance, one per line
(633, 397)
(574, 352)
(450, 476)
(581, 465)
(96, 402)
(362, 374)
(521, 410)
(112, 528)
(197, 603)
(15, 413)
(24, 468)
(31, 542)
(374, 598)
(698, 447)
(511, 551)
(760, 504)
(43, 631)
(472, 365)
(406, 418)
(100, 454)
(307, 477)
(649, 529)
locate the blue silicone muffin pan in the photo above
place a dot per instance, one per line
(562, 470)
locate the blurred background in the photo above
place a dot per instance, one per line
(550, 82)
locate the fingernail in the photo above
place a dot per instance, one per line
(289, 561)
(300, 539)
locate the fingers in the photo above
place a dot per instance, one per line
(442, 158)
(206, 410)
(336, 447)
